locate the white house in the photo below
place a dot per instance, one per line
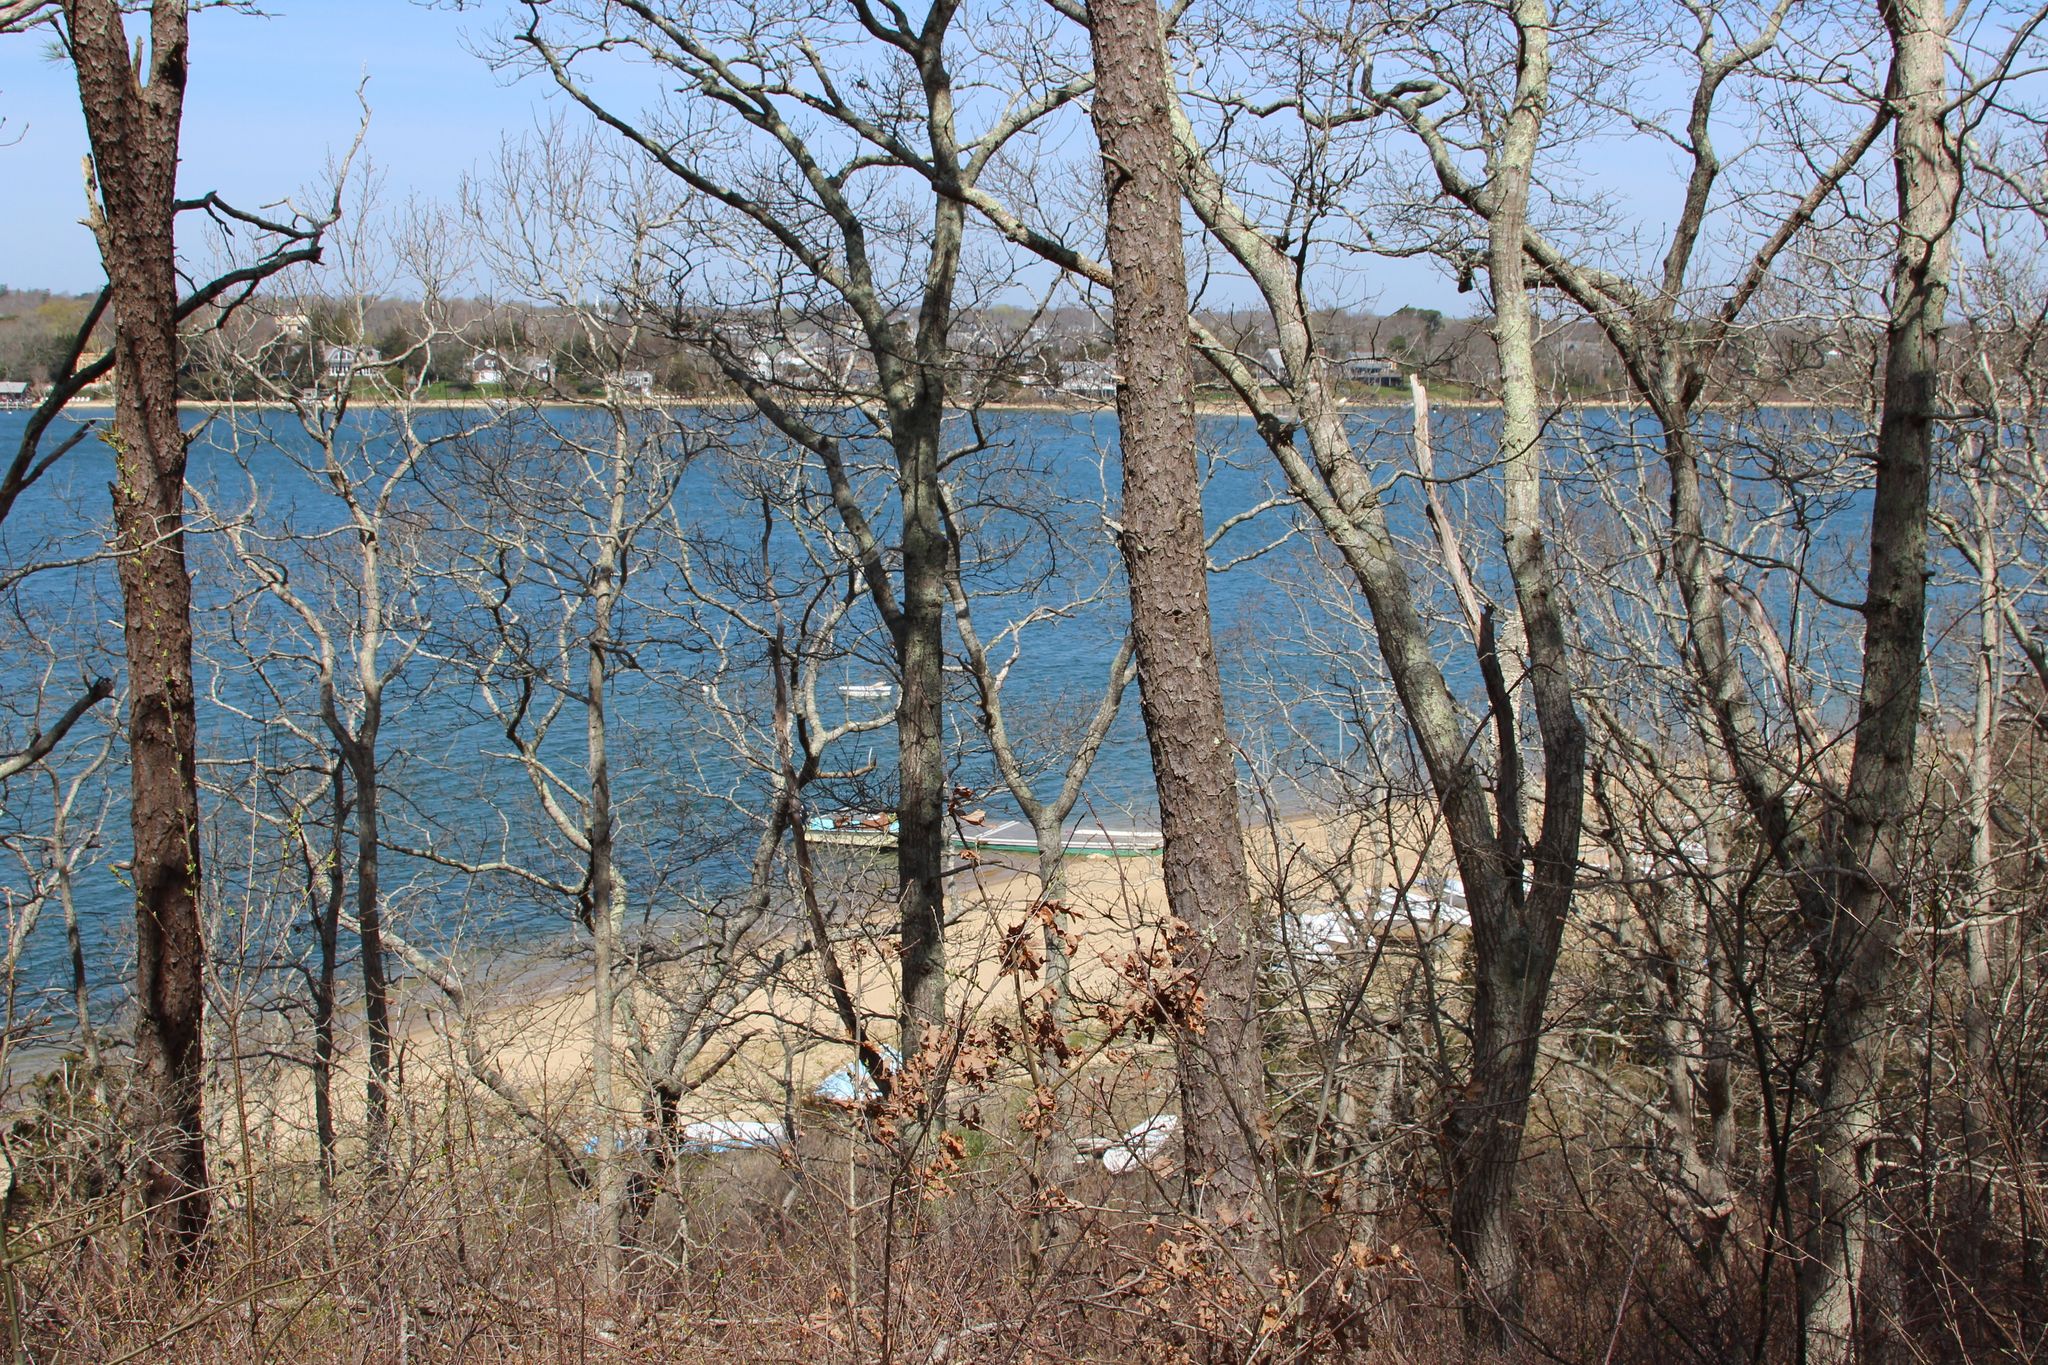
(630, 384)
(486, 367)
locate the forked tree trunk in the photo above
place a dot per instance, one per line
(132, 119)
(1517, 921)
(1515, 947)
(1180, 691)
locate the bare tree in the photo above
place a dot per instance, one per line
(826, 233)
(1516, 937)
(141, 125)
(1853, 894)
(1518, 919)
(907, 358)
(355, 620)
(1846, 877)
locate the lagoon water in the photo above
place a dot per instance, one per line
(1040, 486)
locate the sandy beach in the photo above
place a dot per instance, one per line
(529, 1017)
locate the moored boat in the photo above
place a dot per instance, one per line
(853, 828)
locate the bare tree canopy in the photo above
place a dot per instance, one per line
(565, 779)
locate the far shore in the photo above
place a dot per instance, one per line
(1203, 407)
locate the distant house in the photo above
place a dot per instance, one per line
(1375, 370)
(14, 393)
(341, 362)
(630, 384)
(491, 366)
(811, 360)
(780, 361)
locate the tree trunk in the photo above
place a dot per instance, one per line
(604, 903)
(132, 119)
(327, 929)
(370, 933)
(1980, 949)
(920, 749)
(1515, 951)
(1213, 1006)
(365, 766)
(64, 861)
(1856, 943)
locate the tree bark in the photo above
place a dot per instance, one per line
(365, 768)
(370, 932)
(605, 892)
(1213, 1007)
(132, 119)
(1857, 935)
(921, 740)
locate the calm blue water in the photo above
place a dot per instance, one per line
(694, 632)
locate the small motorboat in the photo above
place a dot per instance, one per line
(867, 691)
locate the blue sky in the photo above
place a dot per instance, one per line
(271, 101)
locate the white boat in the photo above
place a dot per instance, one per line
(1320, 933)
(1440, 907)
(1140, 1146)
(867, 691)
